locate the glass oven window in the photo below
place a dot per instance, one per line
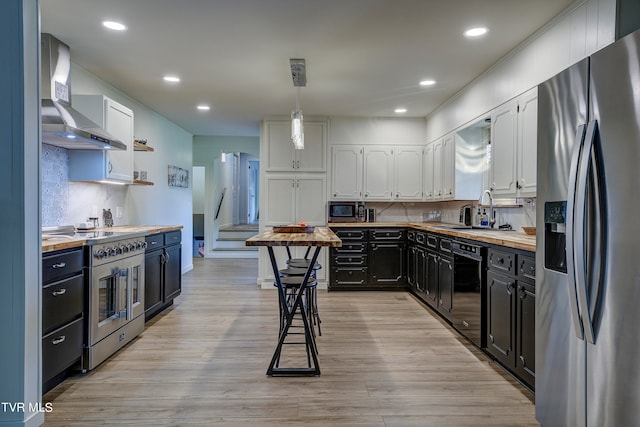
(107, 297)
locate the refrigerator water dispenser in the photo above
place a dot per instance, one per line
(555, 254)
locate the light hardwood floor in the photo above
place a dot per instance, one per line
(386, 360)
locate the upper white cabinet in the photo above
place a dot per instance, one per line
(448, 168)
(346, 172)
(291, 198)
(513, 146)
(378, 172)
(95, 165)
(407, 183)
(428, 185)
(282, 156)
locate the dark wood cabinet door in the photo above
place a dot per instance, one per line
(153, 281)
(387, 263)
(412, 259)
(445, 289)
(421, 270)
(432, 278)
(172, 272)
(526, 333)
(501, 306)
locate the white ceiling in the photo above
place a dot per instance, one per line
(364, 57)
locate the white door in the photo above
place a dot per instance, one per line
(528, 143)
(378, 173)
(312, 157)
(437, 170)
(346, 172)
(503, 149)
(428, 172)
(448, 167)
(119, 123)
(408, 173)
(280, 200)
(279, 147)
(310, 200)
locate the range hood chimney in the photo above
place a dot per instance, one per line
(61, 124)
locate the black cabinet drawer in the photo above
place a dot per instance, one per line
(62, 302)
(349, 276)
(387, 234)
(351, 247)
(421, 238)
(527, 267)
(61, 348)
(172, 237)
(432, 241)
(59, 266)
(350, 260)
(351, 234)
(445, 246)
(501, 261)
(411, 235)
(154, 241)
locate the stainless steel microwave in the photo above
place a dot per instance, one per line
(346, 211)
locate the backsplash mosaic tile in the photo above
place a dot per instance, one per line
(65, 202)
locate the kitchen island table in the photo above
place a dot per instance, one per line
(318, 238)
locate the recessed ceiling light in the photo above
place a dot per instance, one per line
(113, 25)
(427, 82)
(203, 107)
(171, 79)
(400, 110)
(475, 32)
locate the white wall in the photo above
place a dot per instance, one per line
(198, 189)
(578, 32)
(376, 131)
(158, 204)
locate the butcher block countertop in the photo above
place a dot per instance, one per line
(321, 236)
(56, 243)
(516, 239)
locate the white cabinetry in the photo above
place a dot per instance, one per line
(427, 162)
(378, 172)
(108, 165)
(281, 156)
(346, 172)
(392, 172)
(291, 198)
(438, 168)
(513, 146)
(407, 183)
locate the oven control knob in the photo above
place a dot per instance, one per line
(117, 250)
(130, 247)
(99, 254)
(124, 249)
(110, 251)
(137, 245)
(144, 245)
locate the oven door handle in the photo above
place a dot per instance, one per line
(123, 312)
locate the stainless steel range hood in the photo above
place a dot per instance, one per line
(61, 124)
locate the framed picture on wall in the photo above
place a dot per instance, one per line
(178, 177)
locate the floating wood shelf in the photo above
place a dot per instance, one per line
(141, 182)
(141, 147)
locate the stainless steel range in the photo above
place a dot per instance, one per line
(115, 294)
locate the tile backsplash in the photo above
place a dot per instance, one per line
(65, 202)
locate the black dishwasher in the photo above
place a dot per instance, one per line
(468, 301)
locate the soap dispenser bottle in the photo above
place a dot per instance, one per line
(484, 219)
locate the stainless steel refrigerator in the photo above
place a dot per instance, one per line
(588, 242)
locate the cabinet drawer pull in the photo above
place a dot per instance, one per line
(60, 292)
(59, 265)
(58, 340)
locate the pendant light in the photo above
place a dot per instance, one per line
(223, 157)
(299, 76)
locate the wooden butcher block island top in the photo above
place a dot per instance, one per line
(516, 239)
(321, 236)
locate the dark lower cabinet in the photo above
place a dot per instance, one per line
(386, 264)
(370, 258)
(431, 278)
(445, 286)
(510, 319)
(163, 271)
(501, 309)
(63, 284)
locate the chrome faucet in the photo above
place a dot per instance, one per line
(492, 215)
